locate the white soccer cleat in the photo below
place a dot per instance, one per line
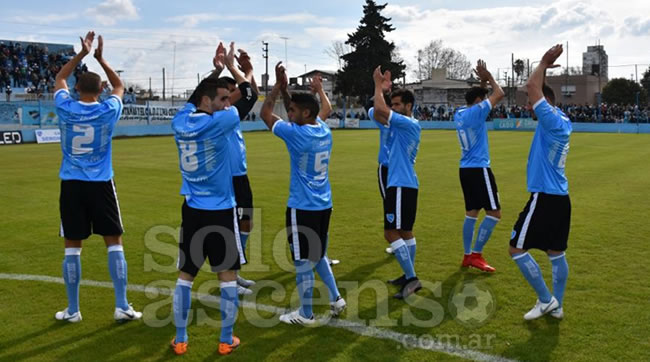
(64, 316)
(541, 308)
(389, 250)
(336, 308)
(130, 314)
(557, 313)
(295, 318)
(244, 282)
(243, 291)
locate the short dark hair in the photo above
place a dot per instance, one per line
(306, 101)
(548, 93)
(208, 87)
(475, 92)
(406, 96)
(229, 80)
(90, 83)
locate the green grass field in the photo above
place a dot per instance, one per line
(606, 299)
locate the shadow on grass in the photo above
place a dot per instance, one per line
(544, 338)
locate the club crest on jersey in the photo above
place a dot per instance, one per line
(514, 233)
(390, 217)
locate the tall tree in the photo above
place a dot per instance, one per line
(645, 81)
(623, 91)
(435, 56)
(370, 49)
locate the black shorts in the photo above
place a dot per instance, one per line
(544, 223)
(243, 197)
(382, 179)
(209, 233)
(307, 233)
(400, 207)
(479, 188)
(89, 207)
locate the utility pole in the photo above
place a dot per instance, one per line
(636, 71)
(512, 70)
(420, 65)
(163, 84)
(266, 75)
(566, 79)
(600, 71)
(198, 79)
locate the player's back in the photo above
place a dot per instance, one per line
(203, 150)
(86, 133)
(310, 147)
(384, 138)
(549, 151)
(472, 134)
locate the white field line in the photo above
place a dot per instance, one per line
(353, 327)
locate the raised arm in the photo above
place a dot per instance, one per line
(536, 80)
(245, 65)
(281, 79)
(266, 113)
(69, 67)
(113, 78)
(219, 61)
(382, 111)
(486, 77)
(230, 64)
(326, 106)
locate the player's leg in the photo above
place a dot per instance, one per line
(244, 201)
(191, 256)
(229, 306)
(467, 183)
(118, 271)
(75, 227)
(527, 233)
(490, 202)
(337, 303)
(405, 220)
(392, 225)
(382, 182)
(299, 234)
(557, 251)
(471, 216)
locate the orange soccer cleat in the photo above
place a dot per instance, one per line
(178, 348)
(225, 348)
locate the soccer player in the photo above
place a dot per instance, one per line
(309, 142)
(209, 219)
(241, 184)
(476, 178)
(88, 201)
(400, 203)
(544, 222)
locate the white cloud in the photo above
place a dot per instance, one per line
(110, 12)
(43, 19)
(192, 20)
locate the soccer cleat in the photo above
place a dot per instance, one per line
(410, 287)
(476, 260)
(295, 318)
(64, 316)
(467, 260)
(225, 348)
(541, 308)
(399, 282)
(557, 313)
(243, 291)
(130, 314)
(244, 282)
(389, 250)
(178, 348)
(336, 308)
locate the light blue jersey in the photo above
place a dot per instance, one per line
(404, 140)
(549, 151)
(384, 133)
(237, 153)
(86, 133)
(204, 155)
(472, 134)
(310, 147)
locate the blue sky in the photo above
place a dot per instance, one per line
(141, 35)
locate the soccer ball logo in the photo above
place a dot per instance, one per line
(471, 303)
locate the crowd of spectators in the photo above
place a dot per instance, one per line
(31, 67)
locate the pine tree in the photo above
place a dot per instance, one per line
(370, 49)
